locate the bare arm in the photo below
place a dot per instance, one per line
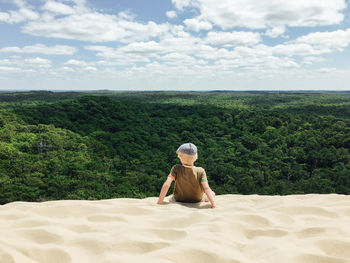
(164, 190)
(209, 194)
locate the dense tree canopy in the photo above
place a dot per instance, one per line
(105, 144)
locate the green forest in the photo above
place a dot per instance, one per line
(105, 144)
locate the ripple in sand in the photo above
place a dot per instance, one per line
(132, 246)
(106, 218)
(39, 236)
(52, 211)
(82, 229)
(335, 248)
(6, 258)
(309, 258)
(178, 222)
(92, 246)
(310, 232)
(252, 233)
(197, 255)
(52, 255)
(167, 234)
(255, 220)
(131, 211)
(347, 212)
(307, 210)
(30, 223)
(6, 217)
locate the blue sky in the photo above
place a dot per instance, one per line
(174, 44)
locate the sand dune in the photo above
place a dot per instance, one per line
(259, 229)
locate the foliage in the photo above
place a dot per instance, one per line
(112, 144)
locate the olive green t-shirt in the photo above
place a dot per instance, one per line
(188, 183)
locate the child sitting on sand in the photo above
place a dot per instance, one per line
(190, 181)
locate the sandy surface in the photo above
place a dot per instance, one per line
(295, 229)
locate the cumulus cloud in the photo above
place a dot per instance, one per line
(18, 16)
(41, 49)
(311, 60)
(275, 31)
(58, 8)
(189, 48)
(82, 23)
(142, 48)
(314, 44)
(267, 14)
(38, 62)
(24, 13)
(197, 25)
(5, 69)
(75, 62)
(338, 39)
(180, 4)
(123, 58)
(230, 39)
(171, 14)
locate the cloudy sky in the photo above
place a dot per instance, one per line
(175, 44)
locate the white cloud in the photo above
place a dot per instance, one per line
(180, 4)
(74, 62)
(37, 62)
(271, 14)
(81, 23)
(24, 13)
(41, 49)
(171, 14)
(122, 58)
(18, 64)
(311, 60)
(5, 69)
(58, 8)
(93, 27)
(197, 25)
(314, 44)
(90, 69)
(142, 48)
(275, 31)
(67, 69)
(326, 70)
(229, 39)
(337, 40)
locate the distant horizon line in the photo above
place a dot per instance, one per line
(223, 90)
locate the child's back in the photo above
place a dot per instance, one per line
(190, 182)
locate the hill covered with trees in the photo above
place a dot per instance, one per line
(97, 145)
